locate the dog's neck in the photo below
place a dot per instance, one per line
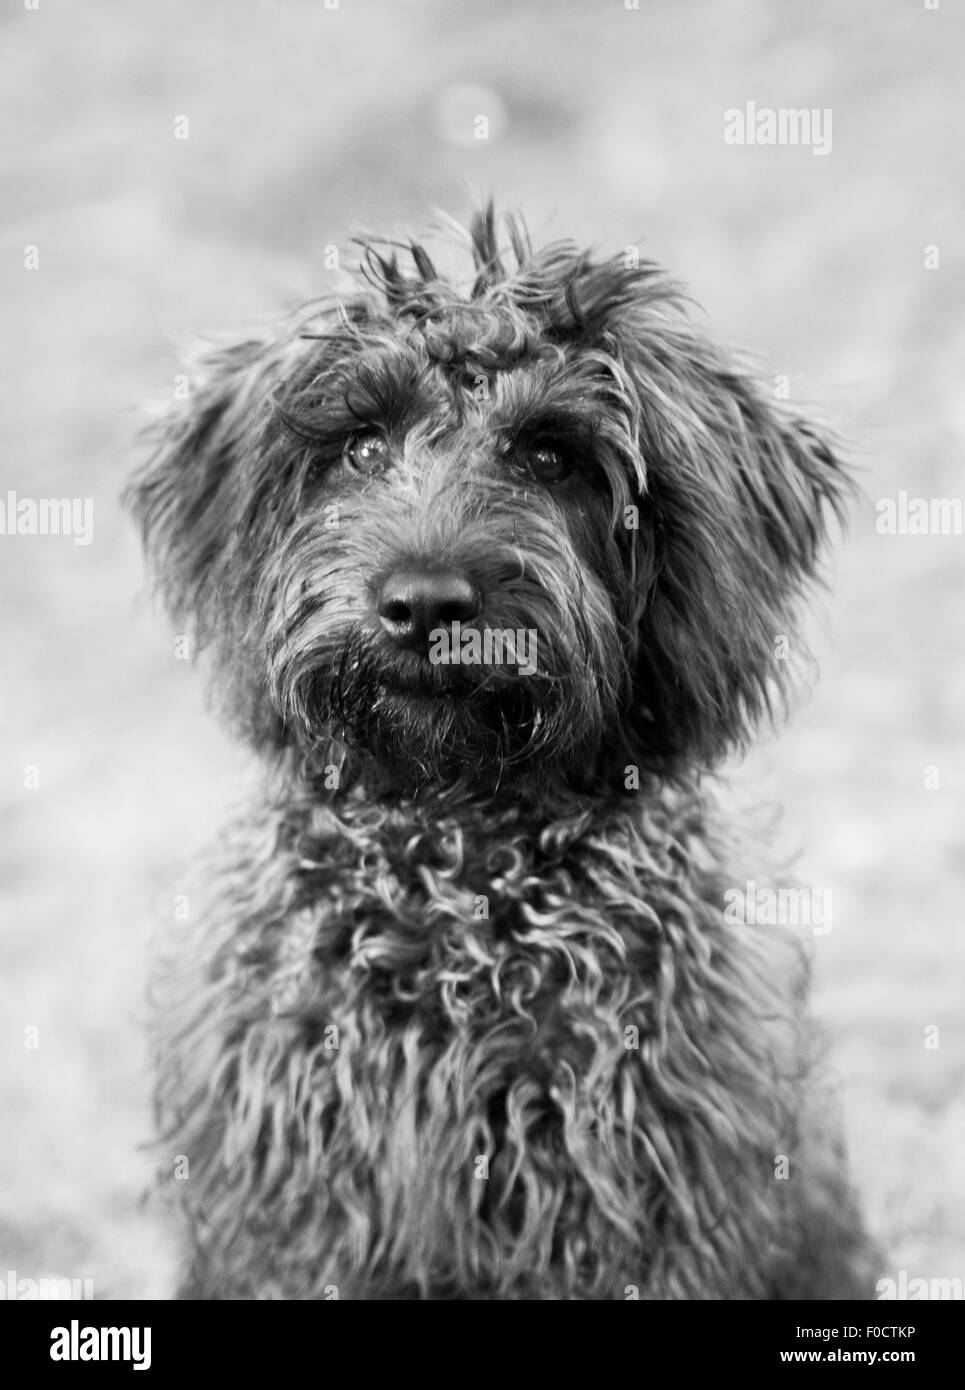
(333, 773)
(350, 803)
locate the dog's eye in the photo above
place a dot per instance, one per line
(547, 462)
(367, 452)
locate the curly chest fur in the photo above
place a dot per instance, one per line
(488, 1056)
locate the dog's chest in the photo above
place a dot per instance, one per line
(539, 957)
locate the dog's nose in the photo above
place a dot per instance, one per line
(414, 603)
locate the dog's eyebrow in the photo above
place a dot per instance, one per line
(531, 421)
(557, 423)
(390, 392)
(387, 390)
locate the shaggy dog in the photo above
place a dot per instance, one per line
(490, 575)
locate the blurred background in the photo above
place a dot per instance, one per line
(306, 122)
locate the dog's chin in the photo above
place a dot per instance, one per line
(416, 726)
(414, 738)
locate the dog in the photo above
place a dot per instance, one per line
(491, 574)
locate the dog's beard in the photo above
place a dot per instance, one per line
(415, 724)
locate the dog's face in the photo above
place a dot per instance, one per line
(533, 531)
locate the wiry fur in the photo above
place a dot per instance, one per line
(462, 1017)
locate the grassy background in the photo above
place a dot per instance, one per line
(606, 125)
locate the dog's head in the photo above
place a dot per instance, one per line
(536, 528)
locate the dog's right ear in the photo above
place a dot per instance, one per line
(188, 496)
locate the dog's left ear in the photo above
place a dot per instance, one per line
(735, 501)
